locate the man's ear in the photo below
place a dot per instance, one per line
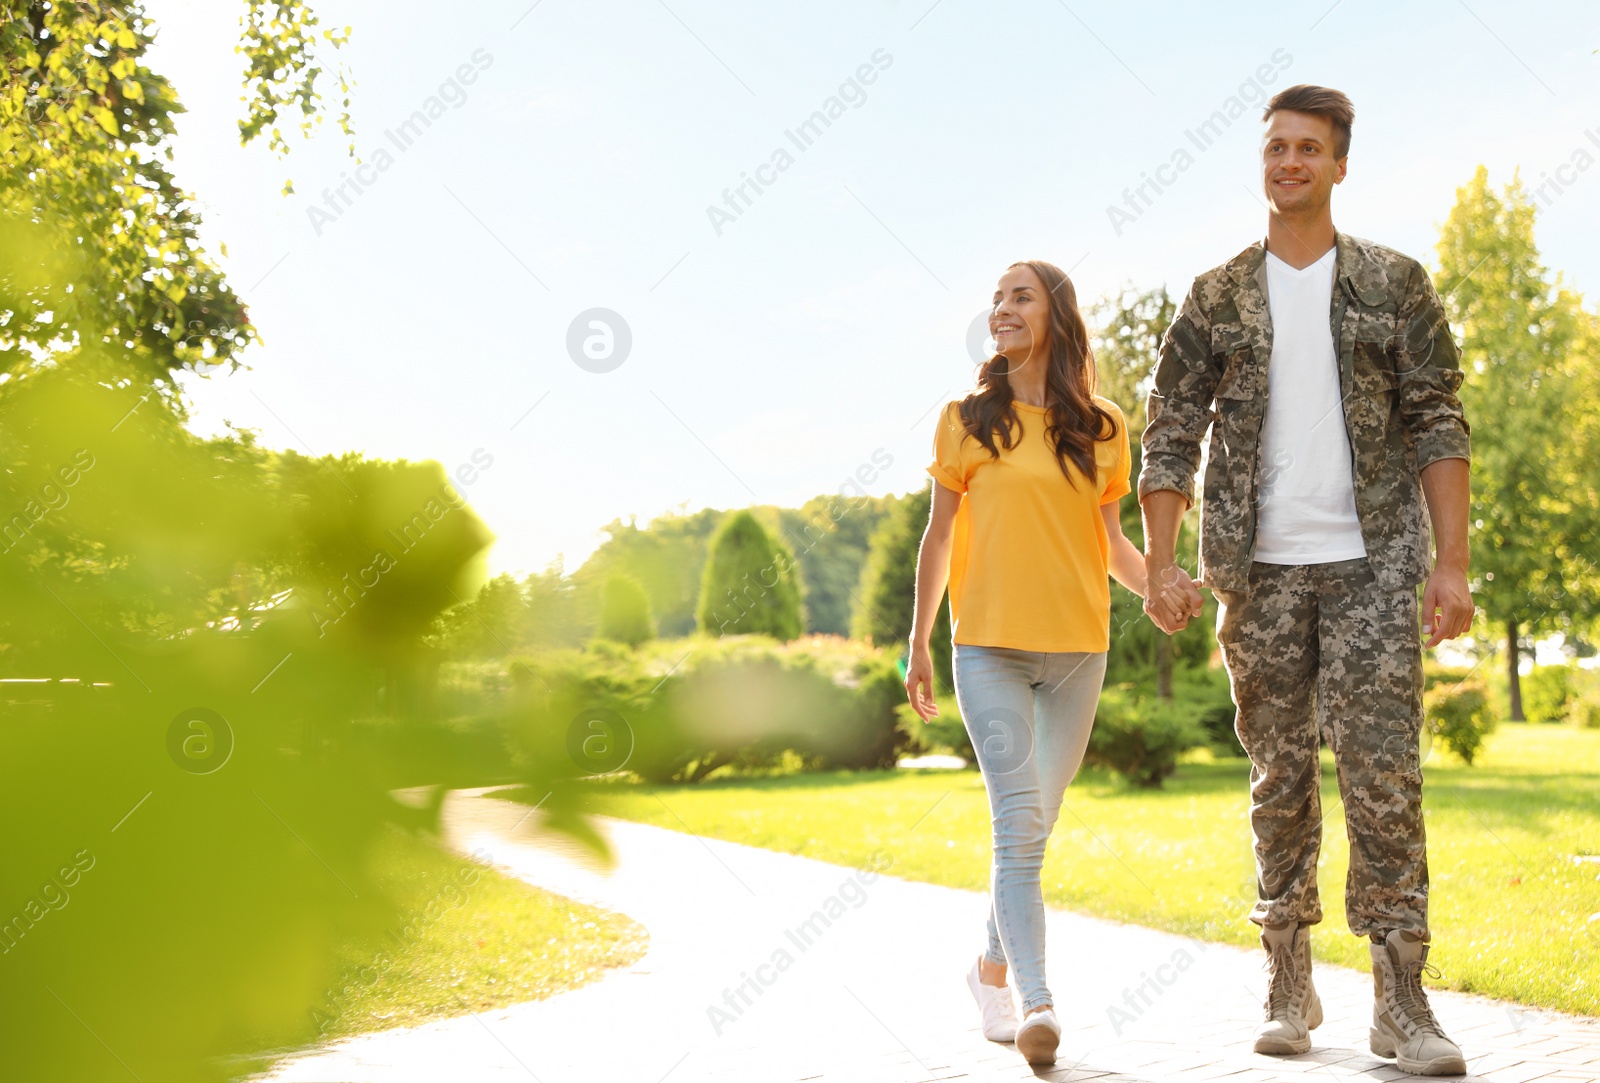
(1343, 164)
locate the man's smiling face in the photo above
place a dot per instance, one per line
(1298, 167)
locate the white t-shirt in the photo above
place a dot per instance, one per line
(1307, 500)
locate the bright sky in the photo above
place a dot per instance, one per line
(776, 349)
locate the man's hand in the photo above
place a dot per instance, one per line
(1171, 597)
(1447, 600)
(919, 683)
(1446, 604)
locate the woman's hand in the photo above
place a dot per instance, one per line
(919, 683)
(1173, 598)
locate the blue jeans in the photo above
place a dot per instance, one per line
(1029, 715)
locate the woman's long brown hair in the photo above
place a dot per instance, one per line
(1076, 421)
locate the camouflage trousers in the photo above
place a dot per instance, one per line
(1318, 647)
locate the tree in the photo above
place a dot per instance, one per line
(553, 619)
(831, 535)
(1127, 329)
(86, 129)
(886, 600)
(668, 559)
(492, 624)
(1580, 451)
(828, 535)
(625, 612)
(211, 618)
(750, 585)
(1527, 385)
(166, 593)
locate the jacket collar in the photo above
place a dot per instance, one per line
(1362, 282)
(1356, 269)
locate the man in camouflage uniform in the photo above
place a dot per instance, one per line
(1314, 537)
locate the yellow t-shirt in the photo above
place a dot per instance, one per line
(1029, 555)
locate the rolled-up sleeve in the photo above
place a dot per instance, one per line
(947, 467)
(1179, 405)
(1429, 370)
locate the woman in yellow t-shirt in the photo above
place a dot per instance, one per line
(1029, 468)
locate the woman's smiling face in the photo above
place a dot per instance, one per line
(1020, 318)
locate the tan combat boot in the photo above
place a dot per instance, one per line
(1403, 1026)
(1292, 1008)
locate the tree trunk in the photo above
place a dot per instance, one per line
(1515, 678)
(1163, 665)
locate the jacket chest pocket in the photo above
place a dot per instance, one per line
(1233, 353)
(1377, 338)
(1373, 399)
(1375, 390)
(1238, 403)
(1376, 345)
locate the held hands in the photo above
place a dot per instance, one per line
(919, 683)
(1172, 598)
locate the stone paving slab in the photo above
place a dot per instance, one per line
(743, 981)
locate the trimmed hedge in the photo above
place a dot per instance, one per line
(1586, 709)
(625, 612)
(1141, 736)
(1136, 734)
(677, 710)
(1209, 695)
(944, 735)
(750, 584)
(1459, 715)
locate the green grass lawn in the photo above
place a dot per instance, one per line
(472, 940)
(1513, 914)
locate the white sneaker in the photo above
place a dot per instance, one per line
(1038, 1037)
(999, 1013)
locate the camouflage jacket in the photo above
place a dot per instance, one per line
(1398, 374)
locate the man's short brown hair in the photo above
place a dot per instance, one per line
(1319, 101)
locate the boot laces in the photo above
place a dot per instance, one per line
(1282, 981)
(1414, 1010)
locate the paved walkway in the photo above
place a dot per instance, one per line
(737, 986)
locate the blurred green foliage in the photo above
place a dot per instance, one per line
(1548, 692)
(210, 668)
(1586, 708)
(213, 676)
(677, 710)
(214, 670)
